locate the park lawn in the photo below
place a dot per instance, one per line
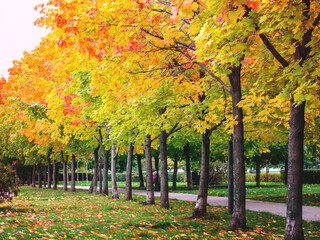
(275, 193)
(53, 214)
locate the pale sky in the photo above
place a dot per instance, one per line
(17, 31)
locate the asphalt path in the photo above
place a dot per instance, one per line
(308, 212)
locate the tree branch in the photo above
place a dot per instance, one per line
(108, 129)
(155, 138)
(207, 70)
(116, 153)
(174, 129)
(274, 52)
(161, 38)
(216, 126)
(316, 21)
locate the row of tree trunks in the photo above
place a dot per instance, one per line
(52, 176)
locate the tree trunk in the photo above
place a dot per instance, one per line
(78, 180)
(54, 175)
(186, 150)
(44, 176)
(200, 209)
(95, 173)
(49, 169)
(175, 172)
(294, 228)
(87, 174)
(39, 175)
(68, 180)
(149, 183)
(230, 177)
(65, 171)
(73, 174)
(34, 176)
(115, 194)
(140, 171)
(164, 188)
(238, 220)
(100, 169)
(257, 172)
(156, 165)
(128, 194)
(105, 189)
(82, 175)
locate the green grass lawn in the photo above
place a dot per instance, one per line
(273, 192)
(47, 214)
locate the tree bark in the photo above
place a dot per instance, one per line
(39, 175)
(100, 169)
(156, 165)
(65, 171)
(106, 155)
(34, 176)
(140, 171)
(87, 174)
(73, 174)
(257, 172)
(200, 209)
(238, 220)
(149, 183)
(115, 194)
(128, 194)
(164, 188)
(78, 179)
(95, 171)
(54, 175)
(186, 150)
(49, 169)
(44, 176)
(294, 228)
(175, 172)
(230, 177)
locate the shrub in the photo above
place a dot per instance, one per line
(6, 179)
(272, 177)
(310, 176)
(217, 172)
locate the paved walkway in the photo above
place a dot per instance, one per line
(309, 213)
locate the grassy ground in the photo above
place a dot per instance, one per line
(48, 214)
(273, 192)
